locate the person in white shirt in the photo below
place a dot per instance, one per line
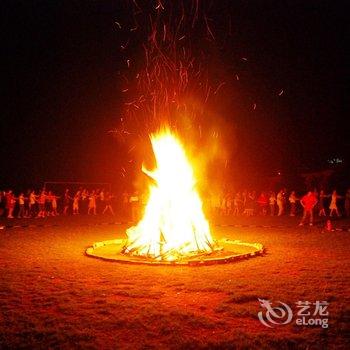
(21, 205)
(333, 207)
(280, 203)
(32, 203)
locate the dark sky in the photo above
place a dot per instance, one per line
(61, 88)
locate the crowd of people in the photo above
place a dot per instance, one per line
(46, 203)
(249, 203)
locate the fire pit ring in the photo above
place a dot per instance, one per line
(233, 250)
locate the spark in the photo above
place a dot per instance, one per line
(208, 28)
(164, 32)
(129, 103)
(220, 85)
(170, 75)
(159, 6)
(136, 5)
(124, 46)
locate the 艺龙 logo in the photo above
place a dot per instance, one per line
(274, 316)
(308, 313)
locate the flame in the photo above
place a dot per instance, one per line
(173, 224)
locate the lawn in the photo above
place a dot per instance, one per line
(53, 296)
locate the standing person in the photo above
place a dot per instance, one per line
(308, 202)
(322, 204)
(66, 201)
(76, 200)
(108, 203)
(32, 204)
(244, 200)
(84, 201)
(272, 203)
(101, 200)
(284, 199)
(54, 204)
(26, 205)
(250, 204)
(280, 202)
(41, 201)
(237, 204)
(263, 203)
(293, 203)
(333, 207)
(347, 203)
(92, 203)
(10, 204)
(48, 204)
(98, 201)
(21, 213)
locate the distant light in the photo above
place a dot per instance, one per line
(335, 160)
(278, 173)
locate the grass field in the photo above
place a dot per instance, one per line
(53, 296)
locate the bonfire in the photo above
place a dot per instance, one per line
(172, 87)
(173, 224)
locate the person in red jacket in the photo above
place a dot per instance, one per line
(263, 202)
(308, 202)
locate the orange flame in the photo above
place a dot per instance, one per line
(173, 224)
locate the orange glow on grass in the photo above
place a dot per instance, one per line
(173, 225)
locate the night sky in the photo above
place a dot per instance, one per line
(62, 91)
